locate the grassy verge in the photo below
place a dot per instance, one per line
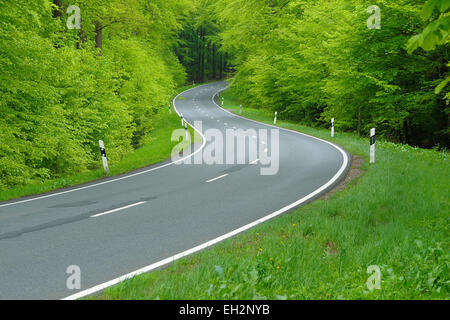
(395, 217)
(158, 148)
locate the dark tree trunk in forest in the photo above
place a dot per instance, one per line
(202, 55)
(197, 51)
(225, 62)
(406, 131)
(208, 60)
(221, 66)
(359, 121)
(99, 36)
(213, 63)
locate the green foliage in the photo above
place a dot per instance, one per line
(436, 33)
(316, 60)
(58, 97)
(157, 148)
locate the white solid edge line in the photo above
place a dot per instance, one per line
(118, 209)
(344, 154)
(124, 177)
(212, 242)
(220, 177)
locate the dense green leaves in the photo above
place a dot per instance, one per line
(435, 33)
(58, 97)
(316, 60)
(61, 90)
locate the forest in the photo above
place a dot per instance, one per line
(64, 86)
(316, 60)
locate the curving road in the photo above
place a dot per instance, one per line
(137, 222)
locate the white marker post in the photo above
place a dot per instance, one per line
(275, 119)
(182, 120)
(332, 127)
(372, 145)
(240, 109)
(170, 110)
(104, 159)
(186, 130)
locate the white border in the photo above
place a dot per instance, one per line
(210, 243)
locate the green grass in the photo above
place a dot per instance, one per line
(158, 148)
(395, 216)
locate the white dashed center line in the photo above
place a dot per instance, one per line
(220, 177)
(118, 209)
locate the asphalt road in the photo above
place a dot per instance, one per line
(116, 226)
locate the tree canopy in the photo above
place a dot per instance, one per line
(316, 60)
(62, 89)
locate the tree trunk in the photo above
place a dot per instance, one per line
(197, 56)
(213, 63)
(208, 60)
(359, 121)
(406, 131)
(220, 66)
(202, 55)
(225, 62)
(99, 36)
